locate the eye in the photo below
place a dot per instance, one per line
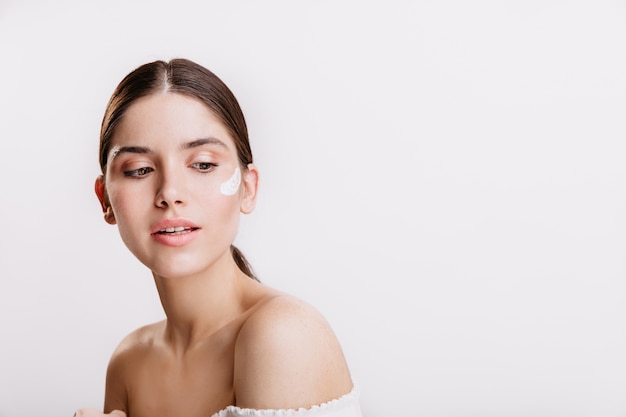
(139, 172)
(203, 166)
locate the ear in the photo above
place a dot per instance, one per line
(250, 187)
(101, 192)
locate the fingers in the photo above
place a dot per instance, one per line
(94, 412)
(88, 412)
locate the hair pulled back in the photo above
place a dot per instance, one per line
(180, 76)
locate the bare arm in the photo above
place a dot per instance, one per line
(288, 357)
(115, 399)
(115, 396)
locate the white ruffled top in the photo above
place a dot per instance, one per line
(344, 406)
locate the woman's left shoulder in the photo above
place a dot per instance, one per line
(287, 356)
(283, 322)
(279, 310)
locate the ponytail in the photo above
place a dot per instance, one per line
(242, 262)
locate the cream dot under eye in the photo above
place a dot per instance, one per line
(231, 185)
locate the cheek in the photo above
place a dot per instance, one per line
(118, 201)
(222, 211)
(220, 205)
(126, 206)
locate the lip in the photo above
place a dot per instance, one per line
(179, 237)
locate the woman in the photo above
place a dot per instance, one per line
(177, 171)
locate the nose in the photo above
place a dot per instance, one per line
(171, 191)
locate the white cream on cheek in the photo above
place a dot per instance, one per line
(231, 185)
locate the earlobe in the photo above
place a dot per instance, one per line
(100, 190)
(251, 185)
(109, 216)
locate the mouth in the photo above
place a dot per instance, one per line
(174, 232)
(171, 231)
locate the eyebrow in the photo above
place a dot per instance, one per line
(187, 145)
(203, 141)
(129, 149)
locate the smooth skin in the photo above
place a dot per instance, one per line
(227, 339)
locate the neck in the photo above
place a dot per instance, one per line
(198, 305)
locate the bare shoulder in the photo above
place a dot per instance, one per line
(136, 341)
(126, 357)
(287, 356)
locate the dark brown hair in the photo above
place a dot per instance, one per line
(185, 77)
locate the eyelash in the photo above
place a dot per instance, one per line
(139, 172)
(204, 167)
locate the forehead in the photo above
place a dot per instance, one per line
(163, 119)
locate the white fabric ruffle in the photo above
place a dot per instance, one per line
(345, 406)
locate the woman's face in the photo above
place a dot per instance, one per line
(173, 185)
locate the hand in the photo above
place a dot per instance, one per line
(94, 412)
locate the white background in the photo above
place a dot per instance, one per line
(444, 180)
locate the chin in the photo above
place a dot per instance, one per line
(175, 270)
(181, 262)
